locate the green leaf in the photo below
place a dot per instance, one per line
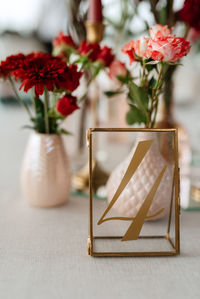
(63, 131)
(134, 115)
(111, 93)
(124, 79)
(163, 15)
(139, 96)
(39, 123)
(151, 85)
(39, 105)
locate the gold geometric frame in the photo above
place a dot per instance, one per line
(175, 246)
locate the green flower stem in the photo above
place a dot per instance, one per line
(19, 99)
(86, 93)
(46, 108)
(155, 98)
(187, 28)
(143, 79)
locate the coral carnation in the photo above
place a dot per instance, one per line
(136, 49)
(66, 105)
(158, 31)
(168, 49)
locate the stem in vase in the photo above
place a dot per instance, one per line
(19, 99)
(46, 108)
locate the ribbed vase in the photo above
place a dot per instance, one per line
(45, 173)
(132, 197)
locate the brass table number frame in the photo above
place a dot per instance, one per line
(116, 235)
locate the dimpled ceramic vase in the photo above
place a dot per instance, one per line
(45, 174)
(134, 194)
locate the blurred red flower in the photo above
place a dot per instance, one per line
(105, 55)
(92, 49)
(62, 39)
(11, 65)
(66, 105)
(190, 13)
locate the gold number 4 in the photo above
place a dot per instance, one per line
(134, 229)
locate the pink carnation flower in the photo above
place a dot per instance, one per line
(136, 49)
(158, 31)
(117, 68)
(168, 49)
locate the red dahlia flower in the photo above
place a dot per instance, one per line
(190, 13)
(66, 105)
(93, 49)
(106, 56)
(11, 65)
(43, 70)
(65, 40)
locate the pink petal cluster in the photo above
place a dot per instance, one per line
(117, 68)
(160, 46)
(136, 49)
(168, 48)
(158, 31)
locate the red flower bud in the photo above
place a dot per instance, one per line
(66, 105)
(65, 40)
(92, 48)
(117, 68)
(106, 56)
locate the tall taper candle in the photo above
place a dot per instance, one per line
(95, 11)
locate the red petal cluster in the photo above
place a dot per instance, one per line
(95, 52)
(190, 13)
(106, 56)
(62, 39)
(92, 49)
(42, 70)
(66, 105)
(11, 65)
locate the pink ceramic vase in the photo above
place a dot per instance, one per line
(132, 197)
(45, 174)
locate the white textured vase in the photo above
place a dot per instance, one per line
(132, 197)
(45, 173)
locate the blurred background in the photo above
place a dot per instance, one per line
(30, 25)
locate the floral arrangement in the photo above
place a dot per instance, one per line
(45, 73)
(91, 57)
(53, 78)
(154, 53)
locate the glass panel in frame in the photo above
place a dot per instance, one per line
(140, 216)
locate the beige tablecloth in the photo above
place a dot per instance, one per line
(43, 255)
